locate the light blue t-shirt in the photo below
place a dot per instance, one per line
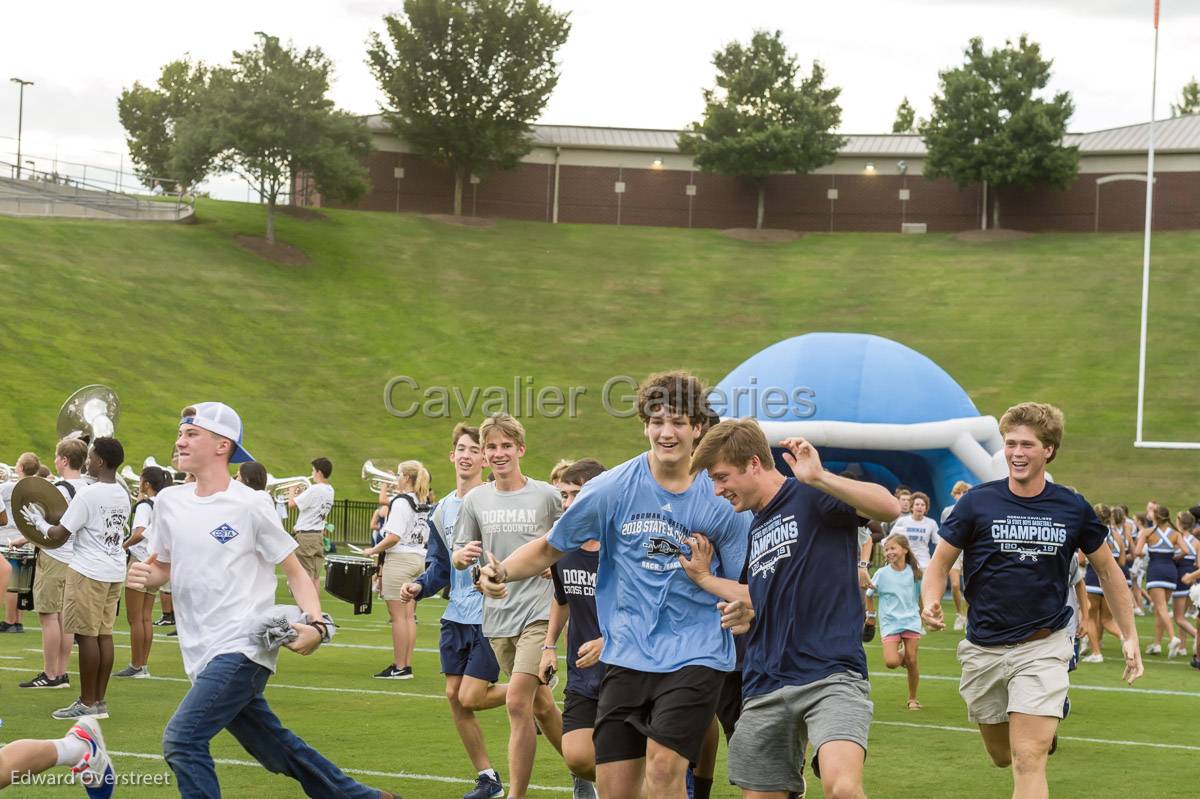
(652, 616)
(899, 610)
(466, 604)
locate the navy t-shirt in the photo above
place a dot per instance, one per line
(802, 571)
(1016, 557)
(575, 586)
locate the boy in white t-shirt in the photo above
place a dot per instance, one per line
(920, 530)
(219, 545)
(95, 521)
(313, 504)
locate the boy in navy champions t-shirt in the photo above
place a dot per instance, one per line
(1017, 537)
(665, 652)
(805, 670)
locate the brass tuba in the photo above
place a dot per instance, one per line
(378, 479)
(281, 488)
(91, 412)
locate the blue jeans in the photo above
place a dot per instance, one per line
(228, 695)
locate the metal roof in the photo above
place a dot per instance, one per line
(1179, 134)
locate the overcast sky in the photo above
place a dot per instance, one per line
(628, 63)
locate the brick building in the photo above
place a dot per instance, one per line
(639, 177)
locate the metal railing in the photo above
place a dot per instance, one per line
(39, 188)
(351, 519)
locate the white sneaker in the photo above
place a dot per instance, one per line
(1175, 648)
(960, 622)
(95, 770)
(1095, 657)
(1139, 612)
(1154, 649)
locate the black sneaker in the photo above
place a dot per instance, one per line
(61, 681)
(5, 627)
(390, 673)
(404, 673)
(166, 620)
(868, 633)
(40, 681)
(486, 788)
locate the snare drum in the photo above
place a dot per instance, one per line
(349, 579)
(24, 566)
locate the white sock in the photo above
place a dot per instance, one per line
(490, 772)
(70, 750)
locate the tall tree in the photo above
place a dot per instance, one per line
(465, 79)
(150, 116)
(906, 118)
(1189, 100)
(763, 117)
(268, 119)
(990, 125)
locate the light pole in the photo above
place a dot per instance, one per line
(20, 116)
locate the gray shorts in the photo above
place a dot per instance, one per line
(766, 752)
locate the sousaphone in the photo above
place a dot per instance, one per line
(89, 413)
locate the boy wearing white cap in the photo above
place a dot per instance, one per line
(219, 545)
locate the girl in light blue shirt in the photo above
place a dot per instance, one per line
(898, 587)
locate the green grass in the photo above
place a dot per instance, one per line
(171, 314)
(404, 728)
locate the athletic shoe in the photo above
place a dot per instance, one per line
(100, 709)
(390, 673)
(42, 681)
(404, 673)
(128, 671)
(165, 620)
(1153, 649)
(1095, 657)
(960, 622)
(486, 788)
(1175, 648)
(95, 770)
(583, 789)
(1195, 662)
(1139, 612)
(5, 627)
(75, 710)
(142, 674)
(868, 633)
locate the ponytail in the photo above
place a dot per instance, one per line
(418, 477)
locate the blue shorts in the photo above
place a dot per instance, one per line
(464, 651)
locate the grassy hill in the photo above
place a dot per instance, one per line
(171, 314)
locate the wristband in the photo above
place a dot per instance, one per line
(550, 648)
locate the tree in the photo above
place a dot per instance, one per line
(267, 119)
(150, 117)
(990, 126)
(906, 118)
(759, 120)
(1189, 101)
(466, 78)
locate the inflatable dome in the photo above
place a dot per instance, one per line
(873, 407)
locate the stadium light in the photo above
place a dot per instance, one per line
(20, 117)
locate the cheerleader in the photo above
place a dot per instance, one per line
(1099, 617)
(1161, 541)
(1185, 523)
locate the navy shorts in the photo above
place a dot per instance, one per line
(464, 651)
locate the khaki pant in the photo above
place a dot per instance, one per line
(522, 654)
(311, 553)
(1029, 678)
(89, 606)
(49, 582)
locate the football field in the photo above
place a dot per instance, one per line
(398, 735)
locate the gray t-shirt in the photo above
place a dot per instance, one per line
(504, 521)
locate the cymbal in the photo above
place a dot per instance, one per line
(38, 491)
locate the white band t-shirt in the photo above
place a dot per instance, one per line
(314, 504)
(96, 519)
(223, 550)
(143, 516)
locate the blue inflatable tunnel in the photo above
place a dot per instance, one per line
(872, 406)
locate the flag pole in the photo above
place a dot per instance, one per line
(1141, 398)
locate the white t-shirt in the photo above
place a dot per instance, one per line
(8, 531)
(64, 553)
(143, 515)
(223, 550)
(407, 525)
(920, 535)
(314, 504)
(96, 519)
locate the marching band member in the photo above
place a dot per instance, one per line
(313, 504)
(26, 466)
(139, 605)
